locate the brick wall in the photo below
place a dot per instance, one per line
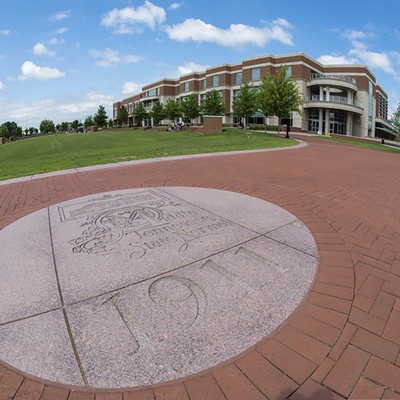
(212, 124)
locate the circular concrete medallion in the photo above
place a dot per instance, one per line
(142, 286)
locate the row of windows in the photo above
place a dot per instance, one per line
(255, 75)
(152, 92)
(215, 81)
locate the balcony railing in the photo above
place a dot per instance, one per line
(334, 76)
(334, 99)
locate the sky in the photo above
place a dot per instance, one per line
(60, 60)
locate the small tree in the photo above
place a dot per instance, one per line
(9, 129)
(47, 126)
(246, 102)
(88, 122)
(139, 113)
(157, 112)
(172, 110)
(213, 104)
(122, 116)
(190, 107)
(100, 118)
(395, 119)
(279, 95)
(64, 126)
(75, 124)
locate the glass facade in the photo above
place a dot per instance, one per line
(256, 74)
(215, 80)
(153, 92)
(337, 121)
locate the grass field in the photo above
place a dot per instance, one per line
(63, 151)
(372, 146)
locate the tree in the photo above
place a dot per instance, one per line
(172, 110)
(157, 112)
(190, 107)
(279, 95)
(75, 124)
(213, 104)
(246, 102)
(101, 118)
(10, 128)
(395, 119)
(89, 122)
(139, 114)
(122, 116)
(47, 126)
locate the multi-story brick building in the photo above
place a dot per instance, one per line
(340, 99)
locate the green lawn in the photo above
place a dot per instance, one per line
(372, 146)
(63, 151)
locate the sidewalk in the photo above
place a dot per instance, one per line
(344, 339)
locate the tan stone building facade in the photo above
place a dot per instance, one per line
(340, 99)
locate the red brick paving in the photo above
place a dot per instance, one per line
(343, 341)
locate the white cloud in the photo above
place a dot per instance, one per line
(31, 71)
(175, 6)
(39, 49)
(332, 59)
(109, 57)
(359, 53)
(130, 20)
(237, 35)
(131, 88)
(189, 67)
(371, 58)
(2, 86)
(56, 41)
(353, 34)
(69, 107)
(60, 15)
(5, 32)
(60, 31)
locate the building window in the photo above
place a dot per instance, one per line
(203, 84)
(215, 80)
(153, 92)
(256, 74)
(186, 87)
(238, 78)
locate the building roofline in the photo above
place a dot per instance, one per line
(175, 81)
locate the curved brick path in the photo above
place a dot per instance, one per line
(344, 339)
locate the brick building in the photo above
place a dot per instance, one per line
(340, 99)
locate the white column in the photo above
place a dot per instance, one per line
(321, 119)
(321, 93)
(350, 97)
(327, 121)
(349, 124)
(328, 93)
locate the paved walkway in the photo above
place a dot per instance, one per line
(344, 339)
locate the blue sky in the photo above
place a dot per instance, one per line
(61, 59)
